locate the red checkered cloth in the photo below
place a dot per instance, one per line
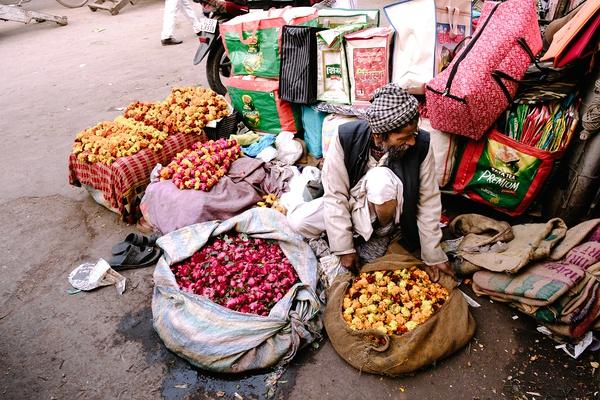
(122, 182)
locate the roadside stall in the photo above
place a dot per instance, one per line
(237, 289)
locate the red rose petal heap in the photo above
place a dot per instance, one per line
(239, 272)
(201, 167)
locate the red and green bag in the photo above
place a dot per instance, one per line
(499, 171)
(257, 100)
(253, 40)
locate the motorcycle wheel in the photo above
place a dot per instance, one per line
(218, 65)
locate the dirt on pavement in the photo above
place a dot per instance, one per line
(100, 345)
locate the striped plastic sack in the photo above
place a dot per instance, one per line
(216, 338)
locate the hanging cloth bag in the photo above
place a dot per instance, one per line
(452, 26)
(414, 43)
(469, 95)
(298, 75)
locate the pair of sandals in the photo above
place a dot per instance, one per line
(136, 251)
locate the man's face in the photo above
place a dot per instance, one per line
(399, 141)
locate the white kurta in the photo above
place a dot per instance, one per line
(343, 211)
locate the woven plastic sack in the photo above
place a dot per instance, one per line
(216, 338)
(253, 40)
(367, 55)
(449, 329)
(257, 100)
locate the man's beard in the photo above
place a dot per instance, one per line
(396, 152)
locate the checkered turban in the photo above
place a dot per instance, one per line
(391, 107)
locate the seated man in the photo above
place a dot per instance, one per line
(378, 174)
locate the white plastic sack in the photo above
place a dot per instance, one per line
(216, 338)
(331, 124)
(267, 154)
(444, 151)
(90, 276)
(332, 70)
(288, 150)
(299, 193)
(413, 59)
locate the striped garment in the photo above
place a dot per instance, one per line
(298, 76)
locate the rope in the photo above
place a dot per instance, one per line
(591, 119)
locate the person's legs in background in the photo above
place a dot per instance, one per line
(186, 6)
(169, 15)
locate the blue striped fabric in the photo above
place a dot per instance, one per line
(215, 338)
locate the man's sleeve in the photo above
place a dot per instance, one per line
(429, 209)
(336, 184)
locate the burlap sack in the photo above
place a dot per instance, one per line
(480, 233)
(449, 329)
(530, 242)
(574, 236)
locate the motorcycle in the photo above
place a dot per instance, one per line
(211, 46)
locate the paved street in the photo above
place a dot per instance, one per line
(99, 345)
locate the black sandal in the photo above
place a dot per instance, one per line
(134, 239)
(134, 257)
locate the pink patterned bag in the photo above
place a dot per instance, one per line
(478, 85)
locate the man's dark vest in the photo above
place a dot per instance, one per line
(355, 138)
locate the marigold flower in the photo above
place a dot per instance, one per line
(392, 302)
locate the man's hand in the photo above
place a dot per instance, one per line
(350, 262)
(444, 267)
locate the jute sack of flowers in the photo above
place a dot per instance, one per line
(372, 351)
(216, 338)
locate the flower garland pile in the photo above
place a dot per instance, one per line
(239, 272)
(201, 167)
(110, 140)
(146, 125)
(392, 302)
(185, 110)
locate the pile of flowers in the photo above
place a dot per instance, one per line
(147, 125)
(110, 140)
(392, 302)
(201, 167)
(271, 201)
(185, 110)
(239, 272)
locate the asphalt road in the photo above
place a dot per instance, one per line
(99, 345)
